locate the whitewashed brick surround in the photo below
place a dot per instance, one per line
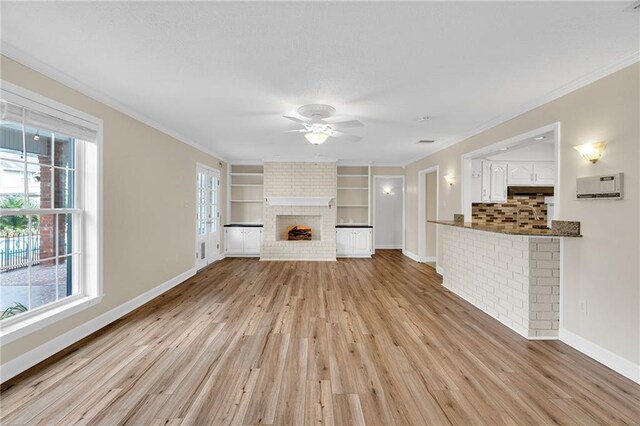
(297, 180)
(513, 278)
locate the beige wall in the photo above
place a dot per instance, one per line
(602, 267)
(149, 197)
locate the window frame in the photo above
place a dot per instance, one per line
(88, 206)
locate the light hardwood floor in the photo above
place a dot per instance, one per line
(357, 341)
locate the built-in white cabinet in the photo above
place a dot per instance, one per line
(242, 241)
(354, 242)
(498, 192)
(531, 174)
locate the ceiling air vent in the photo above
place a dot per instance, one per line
(425, 141)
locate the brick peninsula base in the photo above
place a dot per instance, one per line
(513, 278)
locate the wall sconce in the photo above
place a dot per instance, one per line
(591, 151)
(386, 190)
(451, 179)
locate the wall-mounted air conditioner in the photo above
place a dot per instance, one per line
(605, 187)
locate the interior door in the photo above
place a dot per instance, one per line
(207, 216)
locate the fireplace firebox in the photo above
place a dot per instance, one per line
(299, 233)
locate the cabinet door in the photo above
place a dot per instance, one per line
(520, 174)
(362, 242)
(234, 240)
(344, 246)
(544, 174)
(252, 240)
(498, 182)
(486, 182)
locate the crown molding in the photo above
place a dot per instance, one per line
(529, 106)
(47, 70)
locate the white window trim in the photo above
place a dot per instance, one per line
(92, 233)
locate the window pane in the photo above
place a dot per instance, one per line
(65, 234)
(44, 236)
(40, 188)
(43, 283)
(11, 144)
(64, 151)
(201, 227)
(38, 146)
(64, 191)
(14, 291)
(14, 242)
(12, 180)
(67, 285)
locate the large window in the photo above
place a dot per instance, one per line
(47, 198)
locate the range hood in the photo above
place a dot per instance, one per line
(299, 201)
(546, 191)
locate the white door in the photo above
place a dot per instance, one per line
(362, 242)
(498, 182)
(544, 174)
(252, 240)
(234, 240)
(520, 174)
(207, 216)
(343, 242)
(486, 181)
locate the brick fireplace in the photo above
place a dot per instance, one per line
(299, 186)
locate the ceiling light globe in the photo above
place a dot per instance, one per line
(316, 138)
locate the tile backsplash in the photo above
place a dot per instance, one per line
(506, 213)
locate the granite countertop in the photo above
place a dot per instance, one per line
(511, 230)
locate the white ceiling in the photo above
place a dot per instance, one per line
(223, 74)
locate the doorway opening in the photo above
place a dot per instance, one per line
(388, 212)
(207, 215)
(428, 209)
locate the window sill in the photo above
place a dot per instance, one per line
(15, 330)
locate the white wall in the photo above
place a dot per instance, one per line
(543, 151)
(388, 212)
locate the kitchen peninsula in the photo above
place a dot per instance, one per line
(511, 273)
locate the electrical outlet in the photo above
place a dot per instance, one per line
(583, 306)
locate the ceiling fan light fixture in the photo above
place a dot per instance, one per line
(316, 138)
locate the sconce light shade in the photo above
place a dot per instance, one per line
(591, 151)
(386, 190)
(451, 179)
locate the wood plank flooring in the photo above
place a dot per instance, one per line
(359, 341)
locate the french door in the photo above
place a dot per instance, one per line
(207, 216)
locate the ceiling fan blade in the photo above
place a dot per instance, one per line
(346, 124)
(296, 131)
(296, 119)
(347, 137)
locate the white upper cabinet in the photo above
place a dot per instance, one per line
(531, 174)
(486, 182)
(498, 191)
(520, 174)
(544, 174)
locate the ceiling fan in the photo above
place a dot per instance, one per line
(317, 130)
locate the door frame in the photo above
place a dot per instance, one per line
(219, 256)
(422, 214)
(373, 210)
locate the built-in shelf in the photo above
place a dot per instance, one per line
(247, 201)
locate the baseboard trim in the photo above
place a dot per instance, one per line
(24, 362)
(410, 255)
(604, 356)
(440, 270)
